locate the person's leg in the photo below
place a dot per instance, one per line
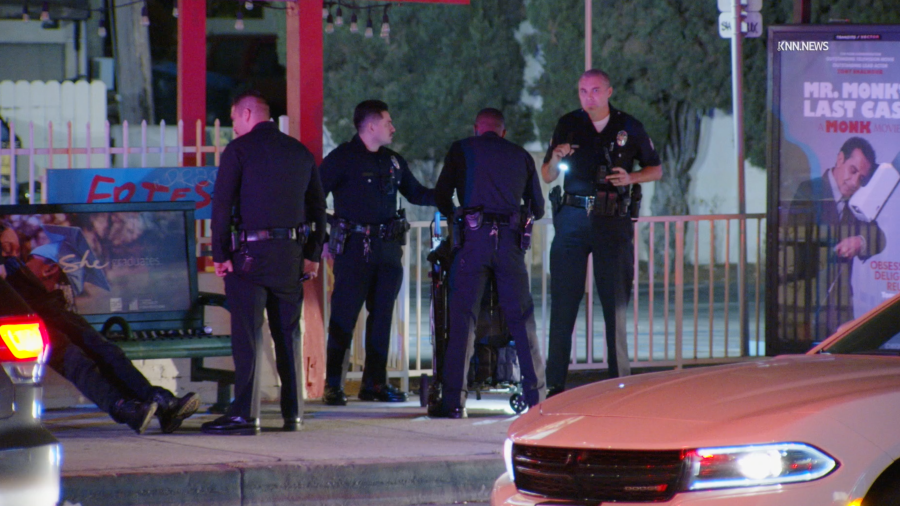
(284, 323)
(73, 364)
(614, 277)
(246, 301)
(514, 291)
(568, 268)
(110, 359)
(352, 278)
(468, 276)
(380, 304)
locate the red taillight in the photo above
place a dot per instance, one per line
(23, 339)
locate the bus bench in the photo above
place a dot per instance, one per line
(179, 339)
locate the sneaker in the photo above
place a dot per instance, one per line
(134, 413)
(172, 410)
(383, 393)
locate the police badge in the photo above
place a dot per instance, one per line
(621, 138)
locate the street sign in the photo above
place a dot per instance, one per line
(748, 5)
(751, 26)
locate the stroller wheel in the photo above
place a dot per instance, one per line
(517, 403)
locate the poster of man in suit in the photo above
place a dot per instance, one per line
(835, 138)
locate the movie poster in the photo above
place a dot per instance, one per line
(105, 262)
(835, 135)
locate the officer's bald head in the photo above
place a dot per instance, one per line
(596, 74)
(490, 120)
(247, 110)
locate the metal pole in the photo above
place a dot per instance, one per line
(588, 29)
(737, 91)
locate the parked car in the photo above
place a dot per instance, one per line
(30, 457)
(814, 429)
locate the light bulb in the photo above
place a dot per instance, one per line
(354, 27)
(45, 12)
(369, 31)
(329, 24)
(145, 18)
(239, 22)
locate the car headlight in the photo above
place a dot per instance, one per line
(507, 458)
(757, 465)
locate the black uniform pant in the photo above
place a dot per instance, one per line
(97, 367)
(481, 254)
(373, 279)
(611, 240)
(271, 283)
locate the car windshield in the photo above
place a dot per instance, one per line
(878, 333)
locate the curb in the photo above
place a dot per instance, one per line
(334, 484)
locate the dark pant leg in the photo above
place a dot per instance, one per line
(110, 359)
(352, 278)
(284, 323)
(514, 293)
(246, 301)
(568, 268)
(388, 278)
(468, 276)
(72, 363)
(614, 277)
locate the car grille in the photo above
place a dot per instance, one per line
(598, 475)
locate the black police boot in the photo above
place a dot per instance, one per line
(135, 413)
(452, 413)
(334, 396)
(172, 410)
(382, 393)
(292, 425)
(231, 425)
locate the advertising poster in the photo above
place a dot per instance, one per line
(834, 236)
(166, 184)
(105, 262)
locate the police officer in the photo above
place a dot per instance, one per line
(367, 235)
(268, 188)
(491, 177)
(596, 147)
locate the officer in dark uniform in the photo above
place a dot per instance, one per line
(596, 147)
(268, 190)
(367, 235)
(491, 177)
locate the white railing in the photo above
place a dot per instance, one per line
(697, 321)
(674, 289)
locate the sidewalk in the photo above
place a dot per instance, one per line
(364, 453)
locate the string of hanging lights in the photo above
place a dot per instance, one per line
(332, 20)
(337, 18)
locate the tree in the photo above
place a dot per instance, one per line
(133, 75)
(443, 63)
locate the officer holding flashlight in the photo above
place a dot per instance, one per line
(596, 147)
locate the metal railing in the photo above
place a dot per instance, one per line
(685, 306)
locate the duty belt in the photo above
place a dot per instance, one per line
(267, 234)
(577, 200)
(370, 230)
(498, 218)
